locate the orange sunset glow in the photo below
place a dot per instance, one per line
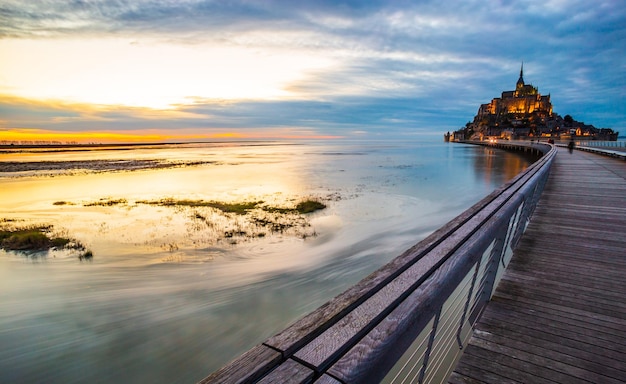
(96, 90)
(39, 136)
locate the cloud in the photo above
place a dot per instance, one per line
(344, 117)
(398, 67)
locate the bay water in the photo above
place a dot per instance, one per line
(168, 297)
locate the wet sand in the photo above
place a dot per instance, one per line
(92, 165)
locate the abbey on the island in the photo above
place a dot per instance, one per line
(525, 113)
(524, 102)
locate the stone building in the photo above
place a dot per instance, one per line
(524, 100)
(524, 107)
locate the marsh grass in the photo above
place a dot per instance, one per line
(309, 206)
(238, 208)
(303, 207)
(26, 239)
(87, 255)
(207, 222)
(242, 208)
(208, 225)
(37, 238)
(105, 202)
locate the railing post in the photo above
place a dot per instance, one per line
(466, 306)
(492, 268)
(431, 340)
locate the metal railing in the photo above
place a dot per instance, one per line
(602, 144)
(606, 148)
(409, 321)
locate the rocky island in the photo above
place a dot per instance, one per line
(526, 114)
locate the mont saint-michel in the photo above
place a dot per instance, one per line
(525, 113)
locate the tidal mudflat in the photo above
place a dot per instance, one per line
(200, 251)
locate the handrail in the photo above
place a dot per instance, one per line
(619, 153)
(410, 319)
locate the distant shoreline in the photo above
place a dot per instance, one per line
(9, 148)
(91, 145)
(98, 145)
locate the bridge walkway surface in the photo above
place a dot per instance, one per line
(559, 313)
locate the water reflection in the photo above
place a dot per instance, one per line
(143, 311)
(492, 164)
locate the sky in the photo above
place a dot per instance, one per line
(188, 70)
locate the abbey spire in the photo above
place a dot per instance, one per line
(520, 81)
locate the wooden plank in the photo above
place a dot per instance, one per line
(554, 351)
(563, 222)
(457, 378)
(498, 327)
(556, 367)
(547, 263)
(325, 379)
(558, 318)
(547, 311)
(555, 298)
(248, 367)
(540, 306)
(565, 330)
(586, 252)
(570, 286)
(543, 265)
(480, 364)
(289, 372)
(605, 299)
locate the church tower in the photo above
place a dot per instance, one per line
(520, 81)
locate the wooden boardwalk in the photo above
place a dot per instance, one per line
(559, 313)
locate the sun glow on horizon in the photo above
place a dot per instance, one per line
(34, 136)
(148, 73)
(41, 136)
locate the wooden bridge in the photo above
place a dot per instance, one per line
(557, 314)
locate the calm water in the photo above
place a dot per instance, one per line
(166, 299)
